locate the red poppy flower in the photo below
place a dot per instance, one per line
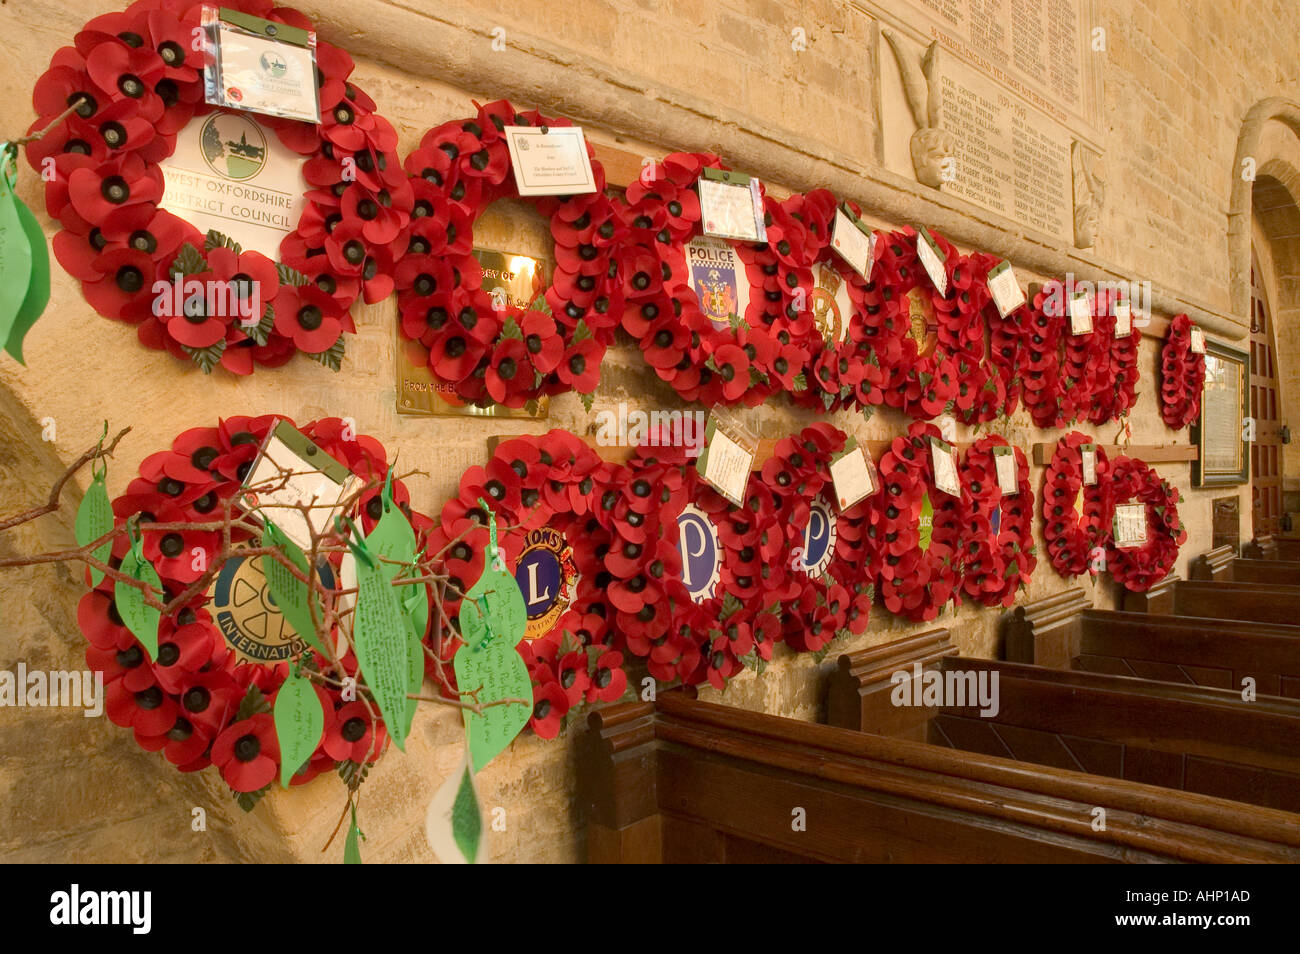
(248, 753)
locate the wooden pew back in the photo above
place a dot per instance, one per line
(679, 780)
(1221, 566)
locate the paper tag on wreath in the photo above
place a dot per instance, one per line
(1130, 525)
(1088, 464)
(943, 458)
(1123, 319)
(550, 160)
(290, 471)
(1005, 289)
(855, 241)
(260, 65)
(1198, 341)
(728, 455)
(731, 206)
(1081, 314)
(1004, 462)
(932, 259)
(854, 475)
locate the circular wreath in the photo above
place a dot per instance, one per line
(1182, 375)
(138, 81)
(1140, 568)
(493, 349)
(771, 346)
(832, 596)
(916, 583)
(998, 549)
(941, 363)
(194, 701)
(1070, 535)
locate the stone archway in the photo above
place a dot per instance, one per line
(72, 788)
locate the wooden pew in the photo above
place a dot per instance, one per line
(679, 780)
(1065, 632)
(1258, 602)
(1222, 566)
(1269, 547)
(1184, 737)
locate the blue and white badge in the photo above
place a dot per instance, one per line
(697, 542)
(245, 612)
(818, 538)
(547, 577)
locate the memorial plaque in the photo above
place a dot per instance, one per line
(1219, 432)
(521, 279)
(1008, 89)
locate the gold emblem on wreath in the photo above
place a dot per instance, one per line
(826, 310)
(923, 327)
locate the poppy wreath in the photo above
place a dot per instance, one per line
(198, 702)
(832, 598)
(998, 546)
(847, 370)
(495, 351)
(139, 81)
(916, 583)
(1072, 535)
(768, 349)
(1140, 568)
(944, 369)
(1115, 383)
(1182, 376)
(1040, 358)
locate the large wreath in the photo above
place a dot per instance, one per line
(198, 702)
(136, 81)
(706, 357)
(497, 350)
(1115, 385)
(916, 582)
(998, 549)
(1182, 375)
(1140, 568)
(1072, 534)
(829, 593)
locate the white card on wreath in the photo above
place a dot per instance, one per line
(943, 457)
(1005, 289)
(855, 246)
(1088, 464)
(854, 476)
(1130, 525)
(550, 160)
(260, 66)
(1123, 319)
(732, 209)
(1004, 461)
(932, 259)
(1198, 341)
(1081, 314)
(726, 460)
(292, 472)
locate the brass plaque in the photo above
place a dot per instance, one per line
(521, 279)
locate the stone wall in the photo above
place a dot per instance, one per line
(650, 76)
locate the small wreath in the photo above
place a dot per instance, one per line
(1115, 385)
(941, 366)
(493, 349)
(916, 581)
(706, 356)
(1182, 376)
(830, 559)
(1139, 568)
(1072, 533)
(200, 702)
(136, 81)
(998, 551)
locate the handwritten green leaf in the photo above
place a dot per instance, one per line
(94, 519)
(140, 618)
(299, 724)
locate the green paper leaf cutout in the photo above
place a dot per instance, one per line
(467, 818)
(140, 618)
(496, 669)
(381, 636)
(352, 847)
(292, 596)
(15, 247)
(299, 724)
(94, 519)
(38, 292)
(494, 605)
